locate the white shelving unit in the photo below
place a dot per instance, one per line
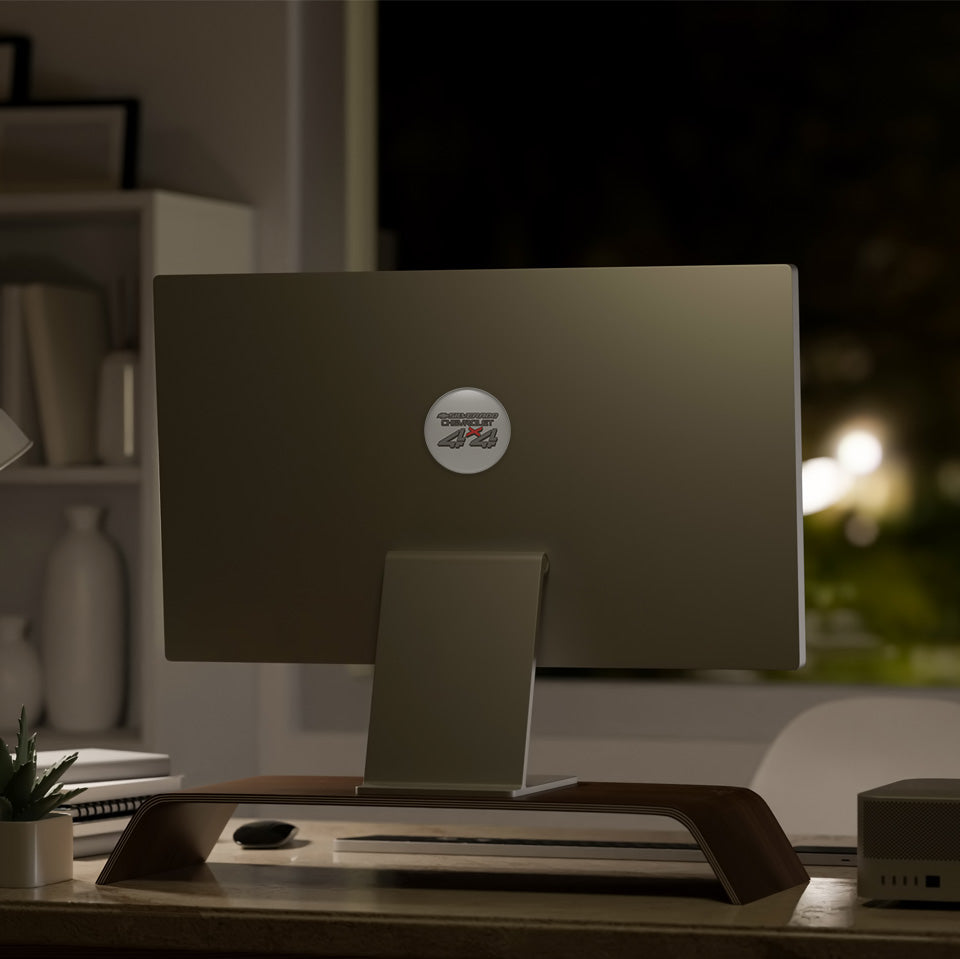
(120, 240)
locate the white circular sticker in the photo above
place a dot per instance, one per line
(467, 430)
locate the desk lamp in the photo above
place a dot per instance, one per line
(13, 444)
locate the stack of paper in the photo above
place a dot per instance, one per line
(116, 782)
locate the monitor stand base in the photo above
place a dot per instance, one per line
(534, 785)
(739, 835)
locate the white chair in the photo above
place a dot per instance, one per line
(814, 769)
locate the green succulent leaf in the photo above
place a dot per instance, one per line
(22, 746)
(38, 810)
(6, 765)
(65, 797)
(21, 786)
(24, 796)
(53, 775)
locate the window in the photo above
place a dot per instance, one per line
(565, 134)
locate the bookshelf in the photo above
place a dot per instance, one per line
(120, 240)
(71, 476)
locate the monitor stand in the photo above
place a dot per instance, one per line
(457, 635)
(453, 683)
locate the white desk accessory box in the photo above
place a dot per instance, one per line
(908, 841)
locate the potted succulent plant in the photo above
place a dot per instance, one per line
(36, 842)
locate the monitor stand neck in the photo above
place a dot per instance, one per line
(453, 683)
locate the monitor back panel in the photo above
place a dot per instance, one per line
(654, 457)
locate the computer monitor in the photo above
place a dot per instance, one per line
(459, 475)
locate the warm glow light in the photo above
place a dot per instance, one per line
(859, 452)
(825, 482)
(861, 530)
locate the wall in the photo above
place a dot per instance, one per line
(246, 100)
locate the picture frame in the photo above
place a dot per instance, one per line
(15, 54)
(56, 146)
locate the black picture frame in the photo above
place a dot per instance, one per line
(68, 145)
(15, 53)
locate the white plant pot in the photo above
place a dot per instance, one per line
(36, 853)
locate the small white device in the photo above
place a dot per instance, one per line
(908, 841)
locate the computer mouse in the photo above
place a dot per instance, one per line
(264, 834)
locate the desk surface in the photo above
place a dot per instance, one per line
(307, 900)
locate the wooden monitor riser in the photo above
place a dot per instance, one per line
(739, 835)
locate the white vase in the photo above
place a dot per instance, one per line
(21, 682)
(36, 853)
(83, 627)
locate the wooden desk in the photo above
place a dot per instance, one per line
(306, 901)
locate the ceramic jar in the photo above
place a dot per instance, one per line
(21, 682)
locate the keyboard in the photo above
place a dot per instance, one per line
(809, 855)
